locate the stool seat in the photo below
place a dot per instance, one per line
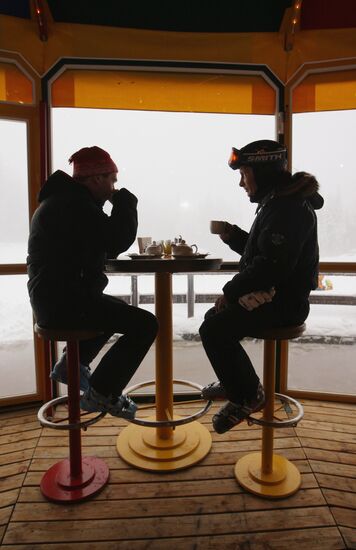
(279, 333)
(66, 335)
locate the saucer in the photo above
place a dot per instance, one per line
(144, 256)
(189, 256)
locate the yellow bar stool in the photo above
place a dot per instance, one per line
(264, 473)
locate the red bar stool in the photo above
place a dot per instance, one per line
(76, 478)
(264, 473)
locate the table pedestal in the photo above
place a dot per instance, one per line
(164, 448)
(142, 447)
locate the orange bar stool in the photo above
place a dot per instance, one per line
(75, 478)
(264, 473)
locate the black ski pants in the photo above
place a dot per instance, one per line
(221, 334)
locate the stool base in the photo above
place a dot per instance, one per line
(58, 486)
(141, 447)
(284, 480)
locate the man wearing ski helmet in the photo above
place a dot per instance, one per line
(277, 270)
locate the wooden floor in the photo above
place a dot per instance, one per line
(202, 507)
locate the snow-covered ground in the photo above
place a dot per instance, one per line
(324, 320)
(318, 366)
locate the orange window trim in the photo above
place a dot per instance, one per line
(158, 91)
(16, 87)
(326, 92)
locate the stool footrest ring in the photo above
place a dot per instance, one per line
(169, 423)
(41, 415)
(288, 423)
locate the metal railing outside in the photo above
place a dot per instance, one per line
(191, 297)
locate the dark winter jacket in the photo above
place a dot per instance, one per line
(281, 249)
(70, 239)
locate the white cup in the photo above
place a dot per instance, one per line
(143, 243)
(217, 227)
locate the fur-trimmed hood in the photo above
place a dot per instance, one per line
(301, 185)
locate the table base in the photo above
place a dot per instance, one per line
(141, 447)
(283, 481)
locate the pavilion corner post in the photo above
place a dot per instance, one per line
(164, 352)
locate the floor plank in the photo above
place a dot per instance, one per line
(5, 514)
(15, 457)
(217, 459)
(12, 482)
(336, 482)
(349, 536)
(204, 472)
(153, 490)
(160, 507)
(340, 498)
(327, 538)
(165, 527)
(9, 497)
(344, 470)
(330, 456)
(344, 516)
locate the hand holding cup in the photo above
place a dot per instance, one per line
(221, 228)
(217, 227)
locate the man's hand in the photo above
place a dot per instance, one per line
(226, 236)
(220, 303)
(115, 192)
(256, 299)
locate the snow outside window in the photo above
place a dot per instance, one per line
(324, 360)
(17, 361)
(14, 217)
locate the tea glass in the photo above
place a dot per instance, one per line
(167, 247)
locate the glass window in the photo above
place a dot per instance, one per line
(176, 163)
(323, 360)
(14, 217)
(324, 144)
(17, 362)
(324, 132)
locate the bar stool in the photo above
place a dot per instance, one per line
(76, 478)
(264, 473)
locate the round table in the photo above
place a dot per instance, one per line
(164, 448)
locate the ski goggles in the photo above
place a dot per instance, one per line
(239, 157)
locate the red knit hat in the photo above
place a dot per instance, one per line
(92, 161)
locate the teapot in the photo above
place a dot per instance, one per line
(154, 249)
(181, 248)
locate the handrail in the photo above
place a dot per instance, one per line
(13, 269)
(337, 267)
(324, 267)
(191, 297)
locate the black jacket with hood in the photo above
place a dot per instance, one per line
(70, 239)
(281, 250)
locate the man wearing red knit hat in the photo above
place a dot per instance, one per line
(70, 239)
